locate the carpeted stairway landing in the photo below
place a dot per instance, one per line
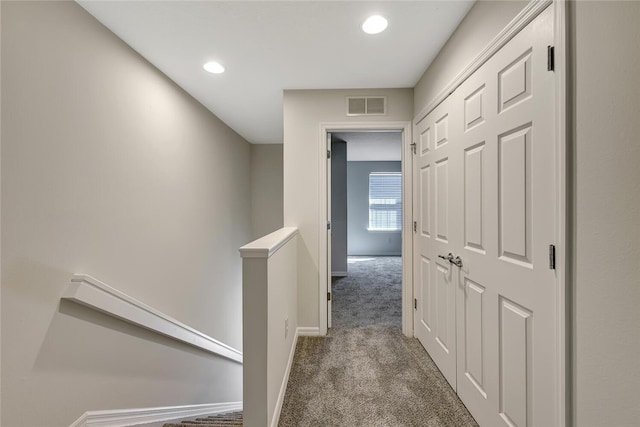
(368, 376)
(365, 372)
(218, 420)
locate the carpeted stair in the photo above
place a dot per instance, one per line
(218, 420)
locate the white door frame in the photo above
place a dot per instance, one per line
(565, 393)
(407, 216)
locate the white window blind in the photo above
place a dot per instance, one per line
(385, 201)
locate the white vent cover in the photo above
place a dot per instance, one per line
(366, 105)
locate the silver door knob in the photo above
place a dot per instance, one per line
(453, 259)
(447, 257)
(457, 261)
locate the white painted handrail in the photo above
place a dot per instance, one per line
(266, 246)
(95, 294)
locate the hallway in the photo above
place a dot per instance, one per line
(124, 160)
(365, 372)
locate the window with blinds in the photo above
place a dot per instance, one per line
(385, 201)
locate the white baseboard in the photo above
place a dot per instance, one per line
(129, 417)
(307, 331)
(283, 387)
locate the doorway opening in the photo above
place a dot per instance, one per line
(366, 189)
(366, 229)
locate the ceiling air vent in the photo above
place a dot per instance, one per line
(366, 105)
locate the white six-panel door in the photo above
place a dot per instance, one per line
(435, 169)
(485, 190)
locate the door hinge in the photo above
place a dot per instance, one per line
(415, 303)
(552, 257)
(328, 225)
(328, 154)
(413, 147)
(328, 296)
(415, 226)
(551, 58)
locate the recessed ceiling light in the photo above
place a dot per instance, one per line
(374, 24)
(213, 67)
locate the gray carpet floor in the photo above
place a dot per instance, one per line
(365, 372)
(370, 295)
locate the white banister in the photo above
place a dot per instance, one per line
(270, 321)
(95, 294)
(266, 246)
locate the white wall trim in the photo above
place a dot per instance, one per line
(407, 235)
(307, 331)
(528, 14)
(285, 380)
(128, 417)
(92, 293)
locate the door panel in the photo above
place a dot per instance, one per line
(444, 294)
(442, 200)
(442, 130)
(514, 195)
(425, 291)
(424, 190)
(515, 363)
(490, 198)
(435, 289)
(515, 82)
(475, 108)
(425, 141)
(474, 357)
(474, 197)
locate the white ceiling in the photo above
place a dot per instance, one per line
(268, 46)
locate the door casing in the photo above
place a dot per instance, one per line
(407, 216)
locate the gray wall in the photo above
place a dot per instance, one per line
(266, 188)
(110, 169)
(606, 220)
(360, 240)
(338, 207)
